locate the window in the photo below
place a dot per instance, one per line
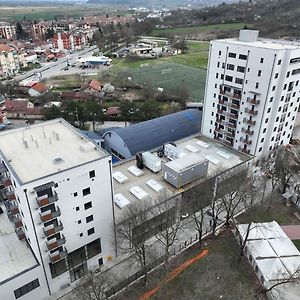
(264, 130)
(279, 62)
(273, 87)
(230, 67)
(288, 74)
(276, 75)
(269, 109)
(26, 288)
(239, 80)
(93, 248)
(296, 71)
(259, 73)
(89, 218)
(217, 75)
(261, 60)
(241, 69)
(92, 174)
(220, 52)
(79, 221)
(77, 208)
(262, 140)
(266, 121)
(75, 194)
(271, 99)
(260, 149)
(88, 205)
(228, 78)
(231, 54)
(279, 109)
(58, 268)
(218, 64)
(91, 231)
(243, 57)
(295, 60)
(222, 76)
(81, 234)
(284, 87)
(86, 191)
(256, 85)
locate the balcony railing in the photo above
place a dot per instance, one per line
(253, 101)
(47, 216)
(230, 94)
(17, 221)
(20, 233)
(45, 200)
(248, 121)
(56, 243)
(6, 181)
(10, 196)
(248, 131)
(251, 112)
(14, 209)
(57, 256)
(246, 141)
(228, 143)
(241, 149)
(234, 106)
(51, 229)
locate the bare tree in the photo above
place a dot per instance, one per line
(290, 278)
(92, 287)
(167, 222)
(234, 192)
(134, 231)
(286, 166)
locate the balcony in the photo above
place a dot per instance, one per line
(10, 196)
(228, 143)
(47, 216)
(6, 181)
(230, 94)
(248, 121)
(56, 243)
(17, 221)
(230, 125)
(14, 209)
(251, 112)
(232, 116)
(20, 233)
(221, 101)
(253, 101)
(51, 229)
(247, 131)
(246, 141)
(241, 149)
(45, 200)
(57, 256)
(234, 106)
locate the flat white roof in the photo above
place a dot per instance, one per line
(45, 149)
(260, 249)
(272, 269)
(263, 43)
(15, 255)
(206, 147)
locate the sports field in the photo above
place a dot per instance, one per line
(170, 77)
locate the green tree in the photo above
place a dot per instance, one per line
(20, 32)
(149, 110)
(53, 112)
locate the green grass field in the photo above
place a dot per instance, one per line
(197, 29)
(167, 75)
(196, 59)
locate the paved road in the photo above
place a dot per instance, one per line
(52, 68)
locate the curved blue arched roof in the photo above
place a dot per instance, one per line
(154, 133)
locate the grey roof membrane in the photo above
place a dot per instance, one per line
(154, 133)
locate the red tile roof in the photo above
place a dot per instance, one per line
(16, 105)
(95, 85)
(5, 48)
(114, 110)
(292, 231)
(39, 87)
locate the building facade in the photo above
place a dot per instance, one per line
(66, 41)
(60, 206)
(252, 92)
(11, 60)
(7, 31)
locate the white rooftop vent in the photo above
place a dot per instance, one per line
(58, 160)
(248, 35)
(191, 148)
(136, 171)
(156, 186)
(138, 192)
(120, 177)
(203, 144)
(224, 154)
(120, 200)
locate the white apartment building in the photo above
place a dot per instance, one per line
(57, 192)
(252, 92)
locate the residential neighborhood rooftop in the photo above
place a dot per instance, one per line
(43, 149)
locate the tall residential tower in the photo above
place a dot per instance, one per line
(252, 92)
